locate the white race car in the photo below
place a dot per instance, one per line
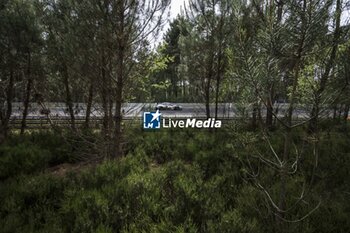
(168, 106)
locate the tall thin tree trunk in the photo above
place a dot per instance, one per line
(346, 112)
(207, 100)
(282, 226)
(89, 105)
(217, 97)
(106, 108)
(207, 94)
(218, 81)
(334, 112)
(183, 89)
(7, 114)
(174, 82)
(2, 131)
(118, 113)
(271, 97)
(269, 107)
(219, 66)
(27, 95)
(340, 111)
(313, 125)
(104, 96)
(120, 80)
(207, 86)
(286, 154)
(69, 101)
(255, 116)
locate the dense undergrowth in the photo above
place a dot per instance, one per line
(172, 181)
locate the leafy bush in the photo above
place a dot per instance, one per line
(30, 204)
(22, 158)
(184, 181)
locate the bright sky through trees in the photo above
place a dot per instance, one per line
(177, 5)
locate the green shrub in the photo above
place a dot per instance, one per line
(30, 204)
(171, 181)
(22, 158)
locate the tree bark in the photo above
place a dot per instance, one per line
(89, 105)
(217, 97)
(207, 86)
(218, 81)
(8, 112)
(286, 149)
(346, 112)
(313, 125)
(121, 46)
(255, 116)
(288, 140)
(105, 88)
(271, 97)
(207, 99)
(104, 96)
(269, 107)
(69, 101)
(27, 95)
(335, 109)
